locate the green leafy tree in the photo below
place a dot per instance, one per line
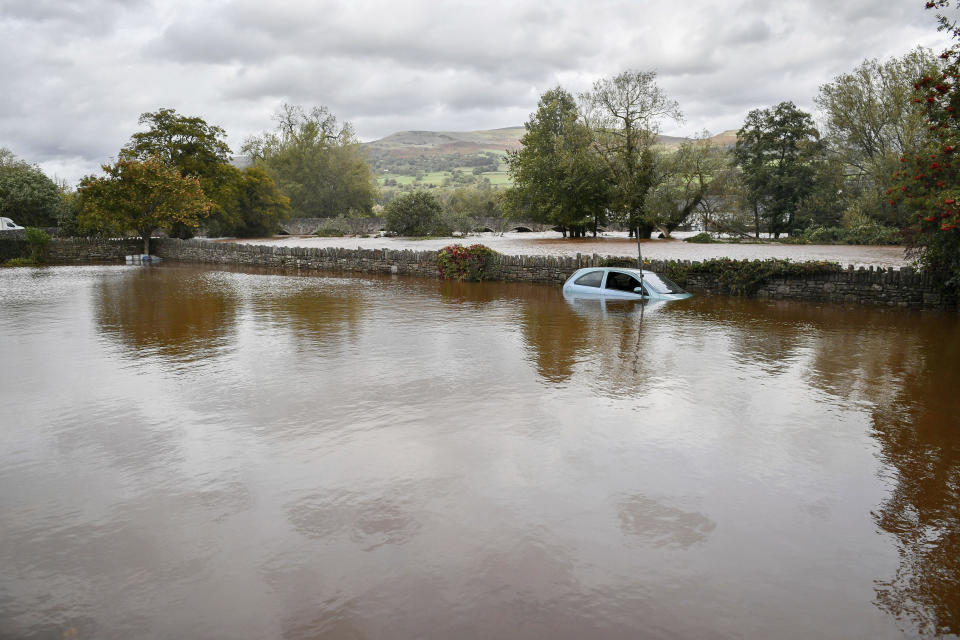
(625, 113)
(693, 183)
(870, 123)
(415, 213)
(27, 195)
(142, 196)
(557, 178)
(778, 151)
(927, 186)
(251, 205)
(196, 149)
(316, 163)
(188, 143)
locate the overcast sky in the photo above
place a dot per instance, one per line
(76, 74)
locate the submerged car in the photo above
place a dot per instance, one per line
(622, 283)
(6, 224)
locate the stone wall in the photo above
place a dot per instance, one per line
(91, 250)
(896, 288)
(903, 288)
(13, 244)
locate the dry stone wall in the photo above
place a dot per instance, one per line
(903, 288)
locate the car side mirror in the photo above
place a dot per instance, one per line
(640, 291)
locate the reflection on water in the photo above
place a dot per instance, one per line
(206, 453)
(179, 319)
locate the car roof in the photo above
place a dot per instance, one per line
(632, 270)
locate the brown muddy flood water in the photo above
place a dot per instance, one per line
(198, 453)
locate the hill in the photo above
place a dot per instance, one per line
(452, 158)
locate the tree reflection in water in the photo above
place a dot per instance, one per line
(918, 427)
(174, 313)
(903, 367)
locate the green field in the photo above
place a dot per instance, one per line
(497, 178)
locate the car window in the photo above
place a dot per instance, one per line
(621, 281)
(592, 279)
(662, 284)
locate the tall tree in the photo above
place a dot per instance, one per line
(778, 151)
(140, 195)
(186, 142)
(693, 183)
(317, 164)
(27, 195)
(625, 113)
(250, 205)
(870, 122)
(927, 186)
(557, 179)
(195, 148)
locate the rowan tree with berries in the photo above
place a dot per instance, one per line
(928, 182)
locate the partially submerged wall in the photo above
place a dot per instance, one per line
(891, 287)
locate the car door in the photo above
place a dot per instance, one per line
(620, 284)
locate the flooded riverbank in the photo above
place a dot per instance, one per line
(550, 243)
(205, 453)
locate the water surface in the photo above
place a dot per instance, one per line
(198, 453)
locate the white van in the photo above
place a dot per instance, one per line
(8, 224)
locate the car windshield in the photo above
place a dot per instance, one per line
(661, 284)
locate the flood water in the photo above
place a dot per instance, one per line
(197, 453)
(551, 243)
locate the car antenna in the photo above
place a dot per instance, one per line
(639, 254)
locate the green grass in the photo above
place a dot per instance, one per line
(497, 178)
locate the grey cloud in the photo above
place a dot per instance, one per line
(83, 70)
(753, 32)
(81, 17)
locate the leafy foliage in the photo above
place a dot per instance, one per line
(617, 261)
(37, 240)
(869, 124)
(927, 186)
(473, 263)
(693, 184)
(315, 163)
(250, 204)
(185, 142)
(624, 114)
(26, 194)
(557, 177)
(743, 277)
(701, 238)
(140, 195)
(417, 213)
(778, 151)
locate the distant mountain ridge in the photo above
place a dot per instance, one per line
(407, 144)
(428, 154)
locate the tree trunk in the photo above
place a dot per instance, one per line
(756, 221)
(146, 241)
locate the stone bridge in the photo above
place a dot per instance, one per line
(368, 226)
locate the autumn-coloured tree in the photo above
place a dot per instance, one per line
(928, 182)
(140, 195)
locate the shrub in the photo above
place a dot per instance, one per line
(472, 263)
(866, 232)
(19, 262)
(745, 276)
(701, 238)
(37, 240)
(416, 213)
